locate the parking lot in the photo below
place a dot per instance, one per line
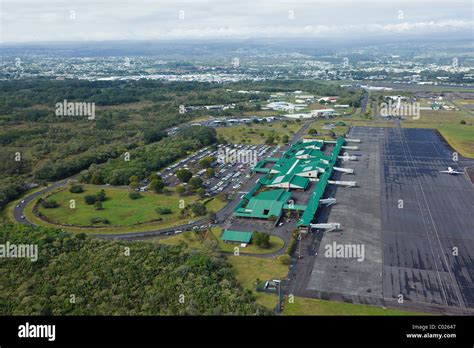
(417, 226)
(232, 166)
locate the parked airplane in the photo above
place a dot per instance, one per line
(450, 171)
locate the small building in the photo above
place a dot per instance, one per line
(240, 237)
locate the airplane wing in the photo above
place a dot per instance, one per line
(454, 172)
(445, 171)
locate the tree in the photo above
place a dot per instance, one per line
(76, 188)
(90, 199)
(210, 172)
(206, 162)
(49, 204)
(262, 240)
(198, 209)
(154, 176)
(101, 195)
(98, 205)
(312, 131)
(285, 139)
(134, 195)
(163, 211)
(133, 178)
(201, 192)
(157, 185)
(153, 135)
(184, 175)
(270, 140)
(180, 189)
(462, 122)
(133, 185)
(195, 183)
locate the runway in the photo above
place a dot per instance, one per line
(417, 225)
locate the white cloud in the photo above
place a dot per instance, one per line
(50, 20)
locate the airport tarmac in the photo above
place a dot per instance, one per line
(416, 225)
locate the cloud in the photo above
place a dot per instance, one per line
(60, 20)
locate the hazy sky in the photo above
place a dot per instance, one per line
(84, 20)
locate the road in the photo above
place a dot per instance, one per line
(222, 215)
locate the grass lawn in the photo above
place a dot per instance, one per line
(310, 306)
(191, 238)
(275, 244)
(252, 134)
(460, 137)
(118, 208)
(247, 269)
(195, 240)
(124, 214)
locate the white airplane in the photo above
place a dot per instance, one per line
(450, 171)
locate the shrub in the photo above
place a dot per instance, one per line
(134, 195)
(292, 243)
(49, 204)
(198, 209)
(98, 205)
(90, 199)
(284, 259)
(163, 211)
(76, 189)
(98, 220)
(262, 240)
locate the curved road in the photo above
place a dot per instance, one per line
(223, 215)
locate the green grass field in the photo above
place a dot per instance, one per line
(310, 306)
(124, 214)
(247, 269)
(118, 208)
(252, 134)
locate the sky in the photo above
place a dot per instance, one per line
(104, 20)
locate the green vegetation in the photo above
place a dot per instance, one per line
(197, 239)
(78, 275)
(117, 207)
(248, 269)
(310, 306)
(259, 133)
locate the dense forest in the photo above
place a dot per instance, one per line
(151, 158)
(78, 275)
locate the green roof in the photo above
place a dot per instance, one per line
(264, 205)
(236, 236)
(318, 192)
(286, 180)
